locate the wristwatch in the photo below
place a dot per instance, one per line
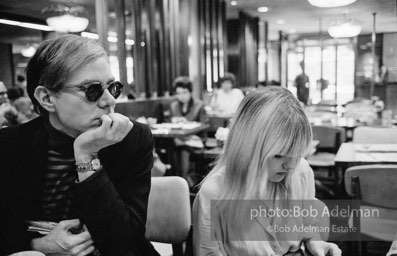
(93, 165)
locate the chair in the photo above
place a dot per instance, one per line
(373, 187)
(169, 214)
(375, 135)
(330, 138)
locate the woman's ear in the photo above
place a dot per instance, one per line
(44, 97)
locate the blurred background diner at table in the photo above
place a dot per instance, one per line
(225, 100)
(187, 109)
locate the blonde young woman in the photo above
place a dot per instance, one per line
(263, 161)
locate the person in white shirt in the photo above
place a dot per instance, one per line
(227, 98)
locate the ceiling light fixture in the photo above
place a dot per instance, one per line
(112, 39)
(344, 28)
(330, 3)
(65, 19)
(263, 9)
(233, 3)
(25, 25)
(28, 52)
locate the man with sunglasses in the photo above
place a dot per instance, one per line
(76, 180)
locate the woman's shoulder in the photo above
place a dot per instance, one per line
(303, 180)
(303, 167)
(211, 188)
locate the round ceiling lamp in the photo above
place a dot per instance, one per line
(66, 19)
(28, 52)
(330, 3)
(344, 28)
(67, 23)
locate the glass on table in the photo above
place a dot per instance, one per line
(387, 118)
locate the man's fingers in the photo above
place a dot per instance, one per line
(85, 235)
(121, 125)
(335, 251)
(87, 251)
(106, 120)
(82, 247)
(67, 224)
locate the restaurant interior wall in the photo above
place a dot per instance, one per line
(385, 54)
(6, 65)
(163, 32)
(242, 49)
(212, 37)
(364, 64)
(161, 49)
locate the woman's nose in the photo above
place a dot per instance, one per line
(289, 164)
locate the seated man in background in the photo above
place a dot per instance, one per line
(9, 115)
(79, 173)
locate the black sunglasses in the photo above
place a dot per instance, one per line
(93, 91)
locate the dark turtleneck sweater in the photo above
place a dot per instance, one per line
(60, 177)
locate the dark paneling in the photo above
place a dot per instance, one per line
(161, 52)
(242, 49)
(6, 65)
(212, 30)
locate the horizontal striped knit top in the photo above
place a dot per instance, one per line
(60, 176)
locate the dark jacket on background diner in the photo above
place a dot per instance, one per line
(195, 112)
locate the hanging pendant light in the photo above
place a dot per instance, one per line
(344, 28)
(66, 19)
(330, 3)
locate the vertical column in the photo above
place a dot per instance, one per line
(279, 55)
(336, 73)
(166, 45)
(101, 12)
(195, 55)
(266, 43)
(373, 54)
(121, 49)
(138, 47)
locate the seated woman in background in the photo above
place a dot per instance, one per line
(226, 99)
(262, 161)
(185, 109)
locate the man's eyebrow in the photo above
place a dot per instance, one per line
(87, 81)
(90, 81)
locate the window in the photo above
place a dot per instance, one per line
(335, 67)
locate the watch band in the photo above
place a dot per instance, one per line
(93, 165)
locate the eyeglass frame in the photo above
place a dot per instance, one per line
(86, 86)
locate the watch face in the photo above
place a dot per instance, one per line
(95, 164)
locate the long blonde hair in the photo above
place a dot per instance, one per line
(268, 122)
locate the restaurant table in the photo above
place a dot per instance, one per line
(349, 124)
(351, 154)
(168, 130)
(215, 152)
(166, 133)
